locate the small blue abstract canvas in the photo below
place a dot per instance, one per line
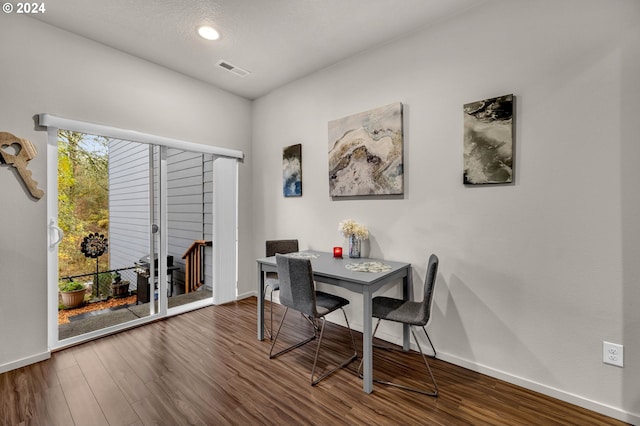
(292, 171)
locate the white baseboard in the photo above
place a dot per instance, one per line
(24, 362)
(571, 398)
(247, 295)
(574, 399)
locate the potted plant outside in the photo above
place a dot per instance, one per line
(119, 287)
(72, 293)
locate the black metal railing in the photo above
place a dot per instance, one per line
(126, 274)
(93, 274)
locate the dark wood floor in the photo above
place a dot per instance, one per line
(207, 368)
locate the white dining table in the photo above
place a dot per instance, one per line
(340, 272)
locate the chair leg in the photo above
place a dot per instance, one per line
(388, 348)
(426, 363)
(269, 329)
(290, 348)
(353, 341)
(433, 393)
(429, 339)
(311, 321)
(343, 364)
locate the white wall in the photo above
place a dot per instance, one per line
(535, 275)
(48, 70)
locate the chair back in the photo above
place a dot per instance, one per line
(281, 246)
(429, 287)
(296, 284)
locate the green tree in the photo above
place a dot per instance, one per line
(83, 197)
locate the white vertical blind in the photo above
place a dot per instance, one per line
(225, 244)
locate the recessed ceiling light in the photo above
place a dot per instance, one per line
(208, 33)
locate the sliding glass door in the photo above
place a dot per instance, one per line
(105, 211)
(189, 196)
(141, 225)
(133, 226)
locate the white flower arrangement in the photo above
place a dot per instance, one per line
(350, 227)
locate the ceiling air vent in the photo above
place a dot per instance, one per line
(232, 68)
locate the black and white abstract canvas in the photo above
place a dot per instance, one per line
(365, 153)
(488, 141)
(292, 171)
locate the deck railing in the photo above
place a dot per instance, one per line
(194, 265)
(127, 274)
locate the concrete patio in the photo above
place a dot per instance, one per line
(97, 320)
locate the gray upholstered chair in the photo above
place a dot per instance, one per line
(413, 314)
(297, 292)
(271, 281)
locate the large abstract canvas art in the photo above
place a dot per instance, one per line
(365, 153)
(292, 171)
(488, 141)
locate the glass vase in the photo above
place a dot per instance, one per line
(354, 246)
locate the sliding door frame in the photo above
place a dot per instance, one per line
(225, 235)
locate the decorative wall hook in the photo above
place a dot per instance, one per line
(24, 152)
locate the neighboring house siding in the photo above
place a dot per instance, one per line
(128, 204)
(189, 197)
(185, 200)
(208, 217)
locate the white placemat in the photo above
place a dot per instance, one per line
(368, 267)
(303, 255)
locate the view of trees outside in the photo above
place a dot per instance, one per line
(83, 199)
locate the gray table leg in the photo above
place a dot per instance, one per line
(406, 295)
(367, 343)
(260, 303)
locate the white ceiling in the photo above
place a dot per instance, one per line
(277, 41)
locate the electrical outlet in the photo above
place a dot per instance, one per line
(613, 354)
